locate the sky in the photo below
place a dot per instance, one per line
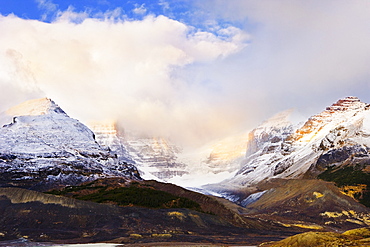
(189, 70)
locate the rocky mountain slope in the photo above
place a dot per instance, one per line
(42, 147)
(337, 136)
(156, 158)
(280, 178)
(307, 203)
(334, 138)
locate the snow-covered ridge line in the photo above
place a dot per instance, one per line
(35, 107)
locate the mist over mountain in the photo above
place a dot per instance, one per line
(166, 121)
(271, 179)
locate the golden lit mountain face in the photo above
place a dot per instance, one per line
(311, 129)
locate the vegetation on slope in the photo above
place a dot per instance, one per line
(350, 176)
(134, 195)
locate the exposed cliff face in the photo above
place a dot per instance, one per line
(156, 158)
(43, 147)
(110, 137)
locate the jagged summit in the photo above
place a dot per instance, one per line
(341, 111)
(348, 103)
(35, 107)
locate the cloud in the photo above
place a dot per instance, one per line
(303, 54)
(163, 77)
(164, 4)
(48, 6)
(127, 70)
(139, 10)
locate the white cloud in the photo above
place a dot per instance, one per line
(48, 6)
(110, 68)
(164, 4)
(139, 10)
(78, 17)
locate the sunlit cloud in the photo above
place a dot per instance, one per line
(127, 70)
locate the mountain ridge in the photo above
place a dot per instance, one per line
(286, 152)
(275, 190)
(44, 147)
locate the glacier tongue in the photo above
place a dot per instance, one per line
(43, 147)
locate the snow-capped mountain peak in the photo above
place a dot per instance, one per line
(35, 107)
(44, 145)
(339, 112)
(282, 151)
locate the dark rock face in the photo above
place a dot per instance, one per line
(354, 155)
(340, 155)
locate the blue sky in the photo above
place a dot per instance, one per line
(186, 69)
(46, 10)
(32, 9)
